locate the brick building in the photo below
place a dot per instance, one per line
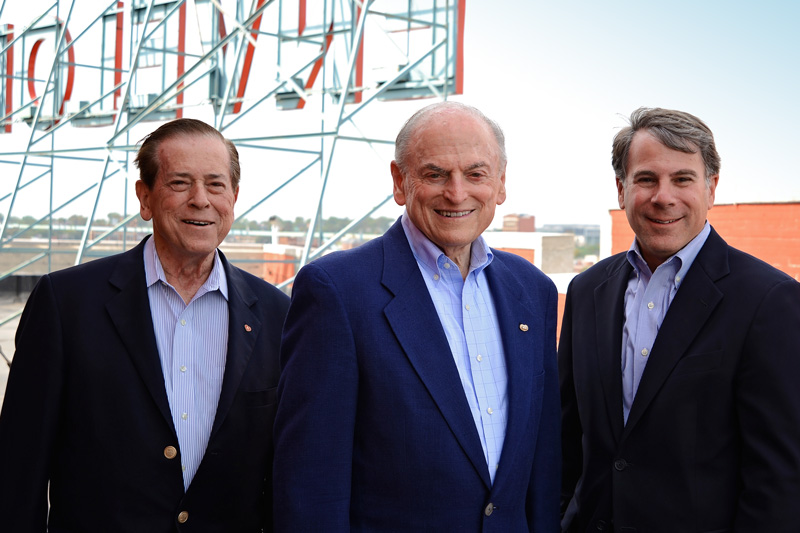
(769, 231)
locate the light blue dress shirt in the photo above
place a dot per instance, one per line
(192, 345)
(647, 299)
(468, 316)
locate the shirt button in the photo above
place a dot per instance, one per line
(645, 352)
(183, 322)
(479, 358)
(447, 265)
(489, 410)
(183, 368)
(184, 416)
(436, 277)
(466, 307)
(651, 305)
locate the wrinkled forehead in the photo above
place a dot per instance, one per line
(455, 133)
(194, 154)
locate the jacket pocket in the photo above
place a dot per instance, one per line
(261, 398)
(700, 362)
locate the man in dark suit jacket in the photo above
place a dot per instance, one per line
(383, 420)
(678, 360)
(104, 383)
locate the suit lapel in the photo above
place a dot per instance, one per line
(130, 312)
(412, 312)
(693, 304)
(609, 305)
(520, 348)
(243, 330)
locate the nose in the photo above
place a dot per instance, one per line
(455, 190)
(663, 195)
(198, 197)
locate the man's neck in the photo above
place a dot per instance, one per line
(461, 257)
(186, 276)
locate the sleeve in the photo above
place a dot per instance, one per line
(768, 405)
(543, 513)
(30, 416)
(571, 433)
(315, 421)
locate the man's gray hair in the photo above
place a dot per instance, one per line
(418, 118)
(677, 130)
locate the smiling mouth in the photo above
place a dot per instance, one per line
(664, 222)
(197, 223)
(452, 214)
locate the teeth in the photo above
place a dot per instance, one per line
(454, 214)
(197, 222)
(664, 221)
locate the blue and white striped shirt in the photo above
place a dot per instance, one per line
(468, 316)
(647, 299)
(192, 345)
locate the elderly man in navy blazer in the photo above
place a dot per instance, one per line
(418, 388)
(679, 359)
(142, 392)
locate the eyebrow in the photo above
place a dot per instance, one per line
(681, 172)
(440, 170)
(186, 174)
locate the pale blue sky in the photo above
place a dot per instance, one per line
(560, 77)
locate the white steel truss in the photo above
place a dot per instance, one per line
(286, 80)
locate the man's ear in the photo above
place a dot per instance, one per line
(143, 193)
(621, 194)
(398, 180)
(501, 195)
(712, 189)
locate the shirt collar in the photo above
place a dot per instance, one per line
(154, 272)
(430, 255)
(682, 259)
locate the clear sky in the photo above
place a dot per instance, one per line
(561, 76)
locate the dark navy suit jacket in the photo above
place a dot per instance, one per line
(712, 441)
(373, 431)
(86, 409)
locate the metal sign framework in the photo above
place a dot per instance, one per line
(77, 94)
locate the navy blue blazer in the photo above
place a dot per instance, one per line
(373, 431)
(86, 409)
(712, 441)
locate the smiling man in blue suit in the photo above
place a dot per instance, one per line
(142, 391)
(419, 388)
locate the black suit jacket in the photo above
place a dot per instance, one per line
(86, 409)
(712, 442)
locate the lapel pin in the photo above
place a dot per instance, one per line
(523, 327)
(247, 328)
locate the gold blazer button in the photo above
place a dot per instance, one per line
(170, 452)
